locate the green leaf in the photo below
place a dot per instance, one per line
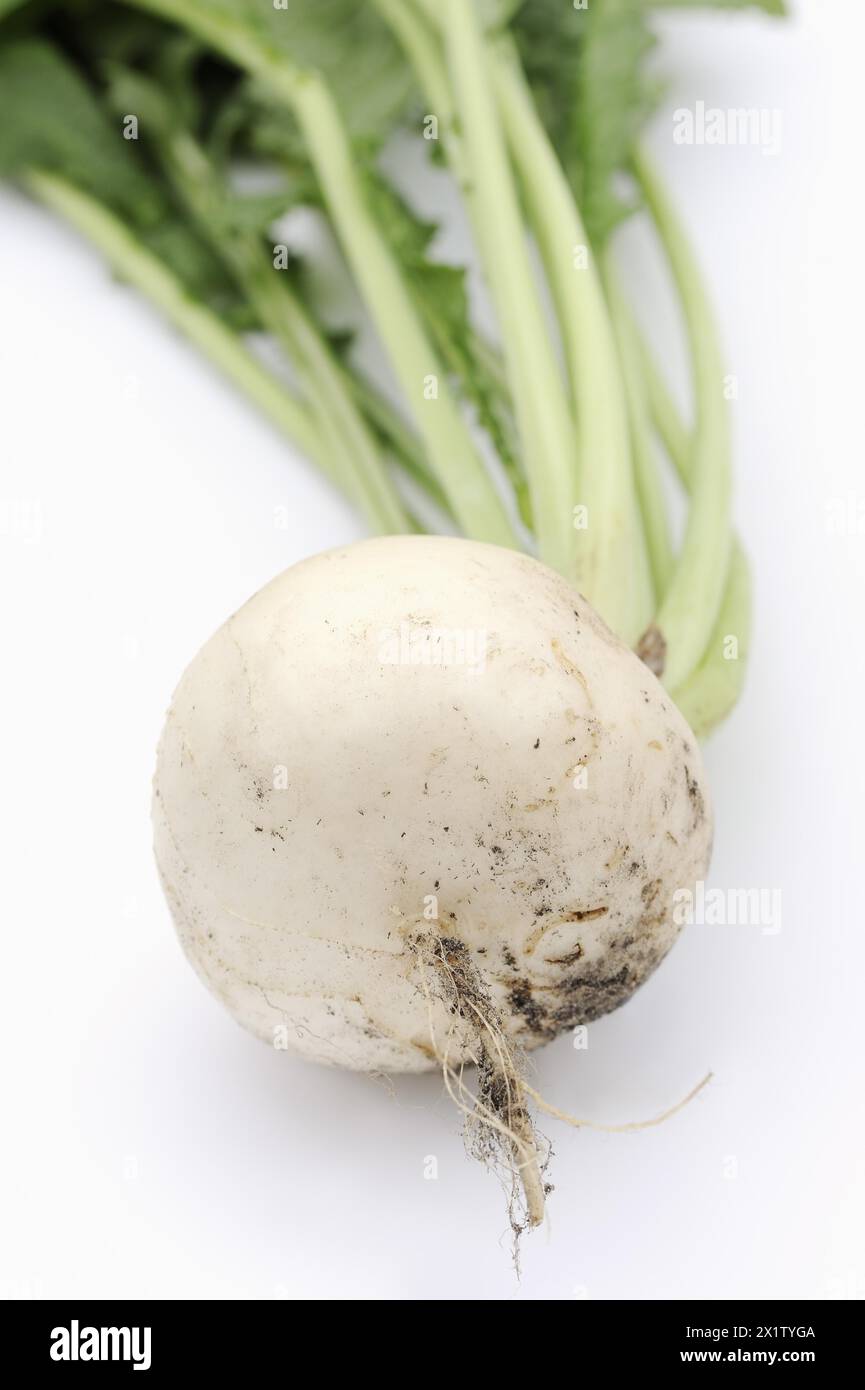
(588, 74)
(133, 92)
(179, 246)
(161, 116)
(343, 39)
(50, 120)
(249, 124)
(614, 100)
(586, 68)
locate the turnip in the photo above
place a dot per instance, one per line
(416, 804)
(423, 803)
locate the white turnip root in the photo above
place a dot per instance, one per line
(416, 804)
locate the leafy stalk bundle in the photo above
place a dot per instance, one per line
(131, 120)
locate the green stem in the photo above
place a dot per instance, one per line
(711, 691)
(690, 608)
(665, 414)
(649, 490)
(543, 417)
(612, 565)
(339, 421)
(140, 268)
(420, 41)
(713, 688)
(422, 45)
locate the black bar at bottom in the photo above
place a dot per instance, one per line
(155, 1339)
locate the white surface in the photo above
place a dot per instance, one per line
(150, 1147)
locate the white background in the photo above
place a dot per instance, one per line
(150, 1147)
